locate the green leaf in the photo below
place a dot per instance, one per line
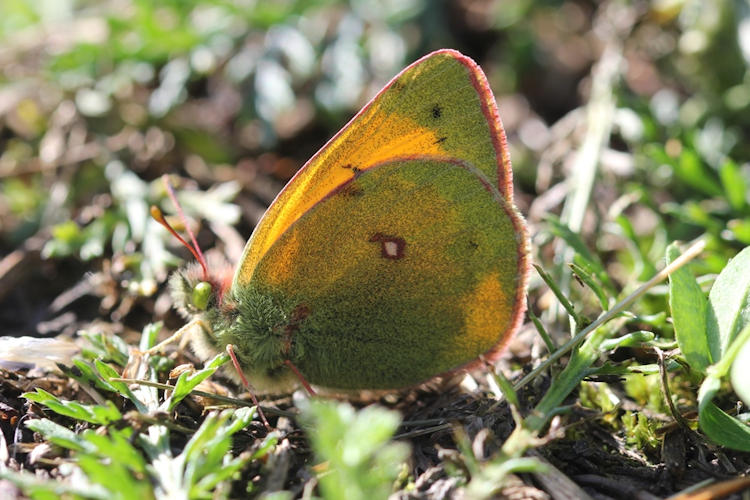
(115, 477)
(734, 184)
(85, 373)
(94, 414)
(724, 429)
(66, 239)
(53, 489)
(592, 262)
(206, 459)
(564, 301)
(589, 280)
(106, 348)
(578, 367)
(149, 335)
(117, 447)
(688, 305)
(213, 205)
(507, 387)
(740, 229)
(108, 373)
(632, 339)
(186, 382)
(640, 432)
(691, 170)
(692, 212)
(59, 435)
(642, 260)
(729, 303)
(740, 373)
(541, 330)
(489, 478)
(362, 462)
(717, 425)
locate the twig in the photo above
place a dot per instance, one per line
(422, 432)
(668, 394)
(218, 397)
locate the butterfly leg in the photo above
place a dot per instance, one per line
(301, 378)
(250, 390)
(176, 336)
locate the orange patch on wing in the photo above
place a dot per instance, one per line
(484, 316)
(392, 136)
(284, 269)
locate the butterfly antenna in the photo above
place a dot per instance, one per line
(159, 217)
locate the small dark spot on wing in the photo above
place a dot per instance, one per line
(391, 247)
(355, 170)
(437, 111)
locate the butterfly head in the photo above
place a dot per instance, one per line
(196, 293)
(195, 289)
(255, 326)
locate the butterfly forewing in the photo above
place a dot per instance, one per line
(441, 106)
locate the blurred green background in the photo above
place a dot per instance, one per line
(98, 99)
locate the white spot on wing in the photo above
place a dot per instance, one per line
(391, 248)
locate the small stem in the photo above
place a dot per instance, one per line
(667, 393)
(217, 397)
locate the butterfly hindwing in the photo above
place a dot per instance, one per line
(408, 270)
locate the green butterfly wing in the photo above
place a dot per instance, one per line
(413, 268)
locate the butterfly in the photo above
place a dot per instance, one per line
(393, 256)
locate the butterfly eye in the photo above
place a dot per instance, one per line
(201, 295)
